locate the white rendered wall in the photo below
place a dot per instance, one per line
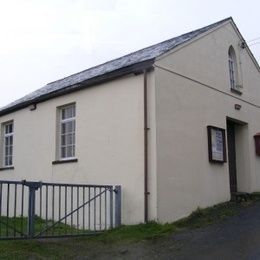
(193, 91)
(109, 142)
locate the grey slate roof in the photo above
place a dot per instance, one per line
(73, 81)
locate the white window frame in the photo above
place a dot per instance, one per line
(66, 146)
(10, 147)
(232, 65)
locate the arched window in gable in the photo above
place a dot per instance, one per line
(232, 63)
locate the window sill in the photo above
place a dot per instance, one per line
(65, 161)
(7, 168)
(236, 91)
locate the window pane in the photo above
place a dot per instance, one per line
(63, 152)
(11, 128)
(68, 139)
(73, 111)
(7, 129)
(73, 126)
(63, 140)
(62, 113)
(70, 127)
(6, 161)
(10, 160)
(6, 150)
(73, 138)
(6, 141)
(73, 150)
(70, 151)
(63, 128)
(68, 112)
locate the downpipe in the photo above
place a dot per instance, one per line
(146, 192)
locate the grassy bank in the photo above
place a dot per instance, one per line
(73, 247)
(151, 230)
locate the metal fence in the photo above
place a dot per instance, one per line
(38, 209)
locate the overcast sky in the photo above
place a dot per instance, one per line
(45, 40)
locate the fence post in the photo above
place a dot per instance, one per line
(33, 186)
(31, 211)
(117, 206)
(111, 208)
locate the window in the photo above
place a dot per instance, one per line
(67, 132)
(8, 133)
(232, 68)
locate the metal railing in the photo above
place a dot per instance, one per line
(39, 209)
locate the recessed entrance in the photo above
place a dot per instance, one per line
(231, 140)
(237, 136)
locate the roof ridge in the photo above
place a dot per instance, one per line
(142, 49)
(129, 63)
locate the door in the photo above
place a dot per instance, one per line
(231, 138)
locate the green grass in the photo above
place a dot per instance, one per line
(17, 227)
(88, 246)
(198, 218)
(151, 230)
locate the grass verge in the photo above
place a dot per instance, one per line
(89, 246)
(18, 227)
(197, 219)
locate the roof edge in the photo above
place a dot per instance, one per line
(128, 54)
(246, 45)
(137, 68)
(215, 27)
